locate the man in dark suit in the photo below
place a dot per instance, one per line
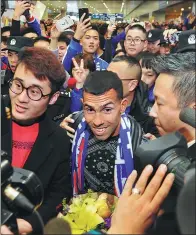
(34, 141)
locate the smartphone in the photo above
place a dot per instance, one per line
(26, 12)
(82, 11)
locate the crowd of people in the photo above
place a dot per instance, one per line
(83, 100)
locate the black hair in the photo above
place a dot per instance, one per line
(103, 29)
(131, 61)
(139, 27)
(102, 41)
(41, 38)
(28, 30)
(4, 39)
(63, 38)
(99, 82)
(182, 68)
(5, 29)
(143, 54)
(147, 61)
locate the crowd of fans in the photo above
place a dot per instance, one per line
(117, 85)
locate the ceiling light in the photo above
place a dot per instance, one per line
(189, 7)
(182, 9)
(122, 6)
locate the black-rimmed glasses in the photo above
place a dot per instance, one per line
(136, 41)
(33, 92)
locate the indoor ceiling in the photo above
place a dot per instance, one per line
(103, 6)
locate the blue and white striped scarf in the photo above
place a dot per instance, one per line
(124, 156)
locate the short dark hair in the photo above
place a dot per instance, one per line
(182, 68)
(143, 54)
(146, 60)
(88, 62)
(5, 29)
(63, 38)
(131, 61)
(139, 27)
(99, 82)
(103, 29)
(41, 38)
(95, 28)
(28, 30)
(4, 39)
(44, 65)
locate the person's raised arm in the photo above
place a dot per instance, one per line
(74, 47)
(20, 8)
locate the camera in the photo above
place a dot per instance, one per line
(21, 194)
(170, 150)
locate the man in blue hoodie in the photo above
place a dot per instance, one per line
(85, 40)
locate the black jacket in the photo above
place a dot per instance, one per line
(61, 108)
(5, 87)
(140, 109)
(50, 161)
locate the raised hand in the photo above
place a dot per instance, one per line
(65, 125)
(137, 208)
(82, 27)
(20, 8)
(54, 33)
(79, 73)
(110, 30)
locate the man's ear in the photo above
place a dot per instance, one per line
(54, 98)
(132, 85)
(124, 104)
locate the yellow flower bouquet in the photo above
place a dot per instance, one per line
(89, 211)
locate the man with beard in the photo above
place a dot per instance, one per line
(105, 141)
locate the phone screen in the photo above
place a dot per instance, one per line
(82, 11)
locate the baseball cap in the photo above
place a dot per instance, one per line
(16, 43)
(187, 41)
(155, 35)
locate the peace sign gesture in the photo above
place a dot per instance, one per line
(79, 73)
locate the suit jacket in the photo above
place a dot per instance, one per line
(140, 108)
(50, 161)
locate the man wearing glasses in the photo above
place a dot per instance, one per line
(38, 144)
(135, 40)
